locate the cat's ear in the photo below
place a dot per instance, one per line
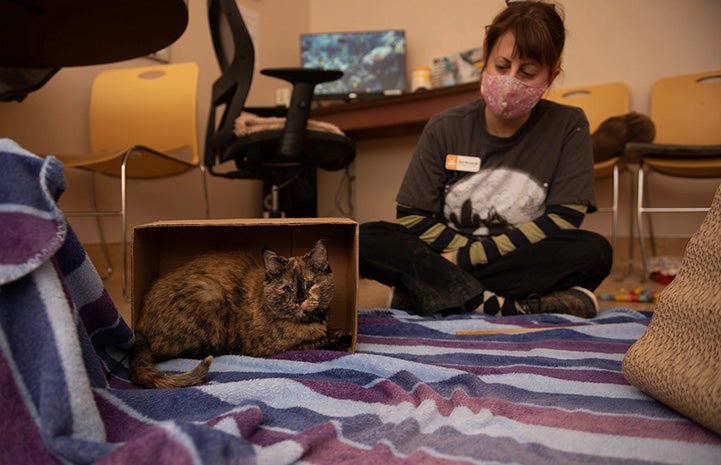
(318, 256)
(274, 263)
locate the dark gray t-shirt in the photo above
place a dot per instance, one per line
(549, 161)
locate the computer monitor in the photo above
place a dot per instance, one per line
(373, 62)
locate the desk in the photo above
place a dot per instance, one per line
(396, 115)
(58, 33)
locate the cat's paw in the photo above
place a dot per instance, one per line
(339, 341)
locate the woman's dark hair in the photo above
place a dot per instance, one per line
(537, 28)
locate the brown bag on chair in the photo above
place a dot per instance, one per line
(678, 358)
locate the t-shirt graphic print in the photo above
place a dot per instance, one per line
(493, 201)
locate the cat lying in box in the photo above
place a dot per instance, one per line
(229, 304)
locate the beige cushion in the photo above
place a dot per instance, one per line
(678, 358)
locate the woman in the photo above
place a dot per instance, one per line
(489, 210)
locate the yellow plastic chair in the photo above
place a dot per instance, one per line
(143, 125)
(687, 112)
(600, 102)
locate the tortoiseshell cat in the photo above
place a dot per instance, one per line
(227, 303)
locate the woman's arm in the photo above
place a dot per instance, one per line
(469, 252)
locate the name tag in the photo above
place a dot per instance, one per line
(463, 163)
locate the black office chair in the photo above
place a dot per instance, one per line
(285, 158)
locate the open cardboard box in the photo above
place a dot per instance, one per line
(160, 247)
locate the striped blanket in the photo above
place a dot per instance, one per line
(520, 390)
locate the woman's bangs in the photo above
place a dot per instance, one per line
(532, 44)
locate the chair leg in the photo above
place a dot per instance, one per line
(124, 223)
(631, 216)
(204, 177)
(614, 223)
(99, 227)
(649, 220)
(639, 221)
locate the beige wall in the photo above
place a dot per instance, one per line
(608, 40)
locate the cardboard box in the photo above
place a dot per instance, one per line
(160, 247)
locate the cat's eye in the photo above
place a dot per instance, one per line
(309, 285)
(287, 289)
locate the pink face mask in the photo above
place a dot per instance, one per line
(507, 97)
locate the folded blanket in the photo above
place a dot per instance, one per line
(32, 227)
(248, 123)
(58, 324)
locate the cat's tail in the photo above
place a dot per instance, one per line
(144, 372)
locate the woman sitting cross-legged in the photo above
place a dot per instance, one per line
(489, 210)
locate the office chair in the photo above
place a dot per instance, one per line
(279, 156)
(600, 102)
(143, 125)
(687, 113)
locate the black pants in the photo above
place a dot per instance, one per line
(392, 255)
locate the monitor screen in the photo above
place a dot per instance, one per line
(373, 62)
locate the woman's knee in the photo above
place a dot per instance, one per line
(593, 255)
(595, 248)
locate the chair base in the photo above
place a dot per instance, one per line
(291, 193)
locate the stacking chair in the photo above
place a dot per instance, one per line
(600, 102)
(278, 155)
(143, 125)
(687, 112)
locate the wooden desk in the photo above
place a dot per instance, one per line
(397, 115)
(57, 33)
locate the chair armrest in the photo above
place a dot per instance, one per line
(310, 75)
(279, 111)
(635, 151)
(304, 81)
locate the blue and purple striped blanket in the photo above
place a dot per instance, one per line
(413, 392)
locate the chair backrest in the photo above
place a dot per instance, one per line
(687, 109)
(236, 56)
(598, 101)
(155, 106)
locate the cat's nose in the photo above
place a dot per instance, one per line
(299, 295)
